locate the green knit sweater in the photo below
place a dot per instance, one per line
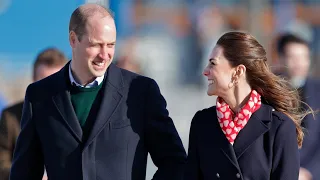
(82, 100)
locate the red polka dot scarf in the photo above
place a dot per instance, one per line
(230, 123)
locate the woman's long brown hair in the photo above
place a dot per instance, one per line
(242, 48)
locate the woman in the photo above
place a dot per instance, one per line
(253, 132)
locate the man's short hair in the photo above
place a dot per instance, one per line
(50, 57)
(80, 17)
(286, 39)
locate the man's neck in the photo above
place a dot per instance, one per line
(77, 76)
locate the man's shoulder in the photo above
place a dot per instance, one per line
(313, 82)
(312, 87)
(132, 79)
(45, 87)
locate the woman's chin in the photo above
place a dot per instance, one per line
(210, 93)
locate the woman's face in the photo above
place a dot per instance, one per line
(219, 73)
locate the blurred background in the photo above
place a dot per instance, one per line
(168, 40)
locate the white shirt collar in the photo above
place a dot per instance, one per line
(94, 83)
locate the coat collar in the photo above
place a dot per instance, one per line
(112, 94)
(258, 124)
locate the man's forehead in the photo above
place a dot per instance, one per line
(101, 24)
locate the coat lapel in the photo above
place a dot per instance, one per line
(225, 146)
(257, 125)
(112, 96)
(228, 151)
(65, 108)
(62, 101)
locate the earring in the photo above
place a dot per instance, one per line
(230, 85)
(235, 83)
(235, 80)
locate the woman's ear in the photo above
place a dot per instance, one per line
(239, 72)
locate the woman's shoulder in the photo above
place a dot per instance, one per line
(277, 116)
(206, 111)
(204, 115)
(283, 121)
(280, 116)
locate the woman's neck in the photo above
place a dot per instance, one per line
(238, 98)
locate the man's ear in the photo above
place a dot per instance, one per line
(72, 39)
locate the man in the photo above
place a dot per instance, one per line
(47, 62)
(93, 120)
(294, 54)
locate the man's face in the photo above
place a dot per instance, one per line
(93, 54)
(297, 60)
(42, 71)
